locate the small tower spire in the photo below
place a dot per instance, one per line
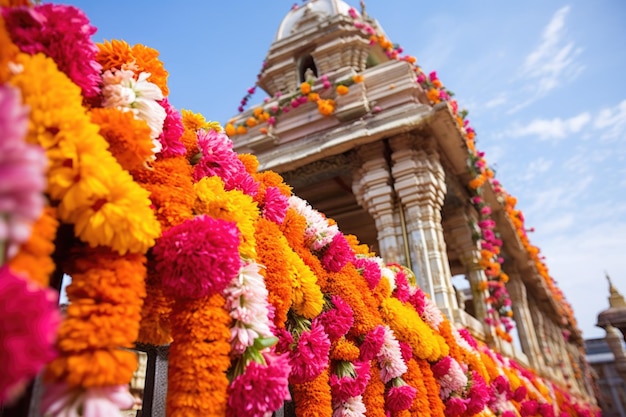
(616, 300)
(363, 13)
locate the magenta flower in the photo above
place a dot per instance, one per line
(337, 254)
(219, 159)
(450, 375)
(402, 291)
(349, 380)
(64, 34)
(529, 408)
(30, 319)
(23, 168)
(418, 301)
(478, 394)
(261, 389)
(546, 410)
(275, 205)
(198, 257)
(172, 131)
(467, 336)
(310, 356)
(372, 343)
(338, 320)
(407, 351)
(400, 398)
(455, 407)
(370, 269)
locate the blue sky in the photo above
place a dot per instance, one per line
(542, 80)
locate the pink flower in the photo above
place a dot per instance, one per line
(520, 393)
(529, 408)
(336, 321)
(455, 407)
(485, 211)
(198, 257)
(390, 358)
(64, 34)
(450, 375)
(349, 380)
(310, 357)
(23, 168)
(219, 159)
(418, 301)
(402, 291)
(275, 205)
(353, 14)
(337, 254)
(172, 131)
(546, 410)
(372, 343)
(433, 76)
(407, 351)
(285, 339)
(60, 400)
(30, 319)
(478, 394)
(261, 389)
(370, 269)
(509, 413)
(400, 398)
(467, 336)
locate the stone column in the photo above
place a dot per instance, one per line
(457, 225)
(419, 181)
(524, 320)
(372, 189)
(542, 340)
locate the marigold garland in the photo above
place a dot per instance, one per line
(409, 327)
(34, 257)
(374, 395)
(272, 252)
(436, 405)
(199, 358)
(313, 399)
(105, 296)
(344, 350)
(107, 207)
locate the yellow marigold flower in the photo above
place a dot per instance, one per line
(233, 205)
(433, 95)
(230, 130)
(195, 121)
(250, 162)
(306, 295)
(305, 88)
(342, 90)
(251, 122)
(358, 78)
(9, 52)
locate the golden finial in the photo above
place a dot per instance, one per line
(616, 300)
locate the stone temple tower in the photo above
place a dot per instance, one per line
(390, 166)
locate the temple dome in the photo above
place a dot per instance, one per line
(297, 17)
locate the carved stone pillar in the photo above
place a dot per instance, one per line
(373, 191)
(457, 226)
(419, 181)
(547, 354)
(524, 320)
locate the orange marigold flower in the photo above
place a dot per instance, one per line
(433, 95)
(477, 182)
(358, 78)
(326, 107)
(263, 130)
(128, 137)
(241, 130)
(437, 83)
(9, 51)
(250, 162)
(313, 96)
(230, 130)
(257, 111)
(305, 88)
(251, 122)
(342, 90)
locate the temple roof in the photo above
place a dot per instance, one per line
(312, 9)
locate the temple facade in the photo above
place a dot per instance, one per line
(393, 167)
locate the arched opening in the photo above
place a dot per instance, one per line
(306, 68)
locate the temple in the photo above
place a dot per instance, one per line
(395, 168)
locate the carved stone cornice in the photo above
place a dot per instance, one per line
(322, 169)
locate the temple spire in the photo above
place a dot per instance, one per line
(616, 300)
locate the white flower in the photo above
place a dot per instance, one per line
(390, 357)
(353, 407)
(122, 91)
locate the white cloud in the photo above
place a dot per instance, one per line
(496, 101)
(556, 128)
(612, 121)
(552, 63)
